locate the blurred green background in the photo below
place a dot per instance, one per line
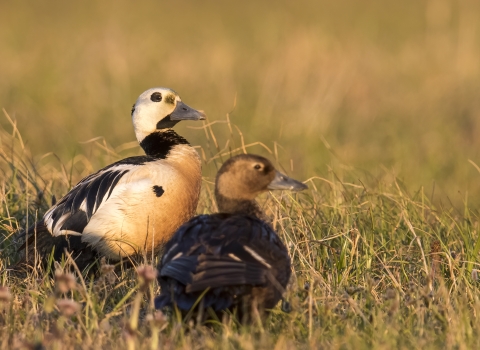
(369, 89)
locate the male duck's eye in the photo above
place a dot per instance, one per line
(156, 97)
(257, 167)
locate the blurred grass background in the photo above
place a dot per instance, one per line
(369, 89)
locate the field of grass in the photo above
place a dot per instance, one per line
(376, 104)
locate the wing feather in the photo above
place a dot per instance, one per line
(115, 181)
(180, 269)
(216, 272)
(228, 256)
(76, 208)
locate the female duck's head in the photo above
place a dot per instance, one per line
(244, 177)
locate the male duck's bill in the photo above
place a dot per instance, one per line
(181, 112)
(283, 182)
(184, 112)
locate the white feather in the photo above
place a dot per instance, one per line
(83, 206)
(234, 257)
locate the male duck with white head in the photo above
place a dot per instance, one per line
(133, 205)
(233, 259)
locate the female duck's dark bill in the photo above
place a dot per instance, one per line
(184, 112)
(283, 182)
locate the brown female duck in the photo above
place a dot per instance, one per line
(233, 259)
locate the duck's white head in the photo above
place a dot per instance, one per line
(160, 108)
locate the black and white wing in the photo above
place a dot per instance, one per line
(73, 212)
(222, 257)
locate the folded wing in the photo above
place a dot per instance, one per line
(222, 260)
(73, 212)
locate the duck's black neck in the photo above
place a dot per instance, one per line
(159, 143)
(238, 206)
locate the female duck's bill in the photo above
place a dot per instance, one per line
(283, 182)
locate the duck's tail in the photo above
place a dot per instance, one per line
(36, 240)
(40, 248)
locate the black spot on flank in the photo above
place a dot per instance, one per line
(133, 108)
(156, 97)
(158, 190)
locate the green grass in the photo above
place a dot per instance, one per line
(375, 266)
(374, 102)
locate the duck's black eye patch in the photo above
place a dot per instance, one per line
(158, 190)
(156, 97)
(133, 109)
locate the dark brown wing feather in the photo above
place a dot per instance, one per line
(214, 252)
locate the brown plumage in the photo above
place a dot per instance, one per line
(234, 259)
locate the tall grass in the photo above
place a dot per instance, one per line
(375, 267)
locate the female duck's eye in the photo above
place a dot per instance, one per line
(156, 97)
(257, 167)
